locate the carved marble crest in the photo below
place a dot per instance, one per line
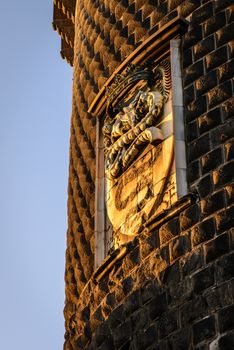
(138, 147)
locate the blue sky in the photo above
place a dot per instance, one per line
(35, 108)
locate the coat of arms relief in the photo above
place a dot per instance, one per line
(138, 147)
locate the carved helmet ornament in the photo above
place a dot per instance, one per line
(129, 128)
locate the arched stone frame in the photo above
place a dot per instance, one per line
(102, 224)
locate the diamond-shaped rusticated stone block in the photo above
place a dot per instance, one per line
(122, 334)
(179, 340)
(96, 319)
(198, 147)
(192, 131)
(187, 58)
(226, 341)
(217, 247)
(224, 268)
(228, 108)
(189, 217)
(132, 303)
(230, 13)
(226, 319)
(139, 320)
(193, 36)
(148, 244)
(193, 72)
(216, 58)
(103, 338)
(181, 292)
(150, 291)
(146, 337)
(211, 160)
(213, 203)
(109, 303)
(203, 232)
(171, 275)
(205, 186)
(204, 47)
(226, 71)
(204, 330)
(219, 296)
(193, 310)
(229, 190)
(229, 150)
(202, 13)
(223, 175)
(222, 4)
(193, 171)
(214, 23)
(168, 323)
(203, 279)
(219, 94)
(224, 35)
(172, 4)
(132, 259)
(191, 262)
(187, 7)
(206, 83)
(223, 133)
(225, 220)
(195, 108)
(179, 247)
(116, 317)
(189, 94)
(157, 306)
(169, 231)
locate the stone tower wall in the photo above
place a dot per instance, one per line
(174, 288)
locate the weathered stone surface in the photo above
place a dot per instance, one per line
(192, 310)
(206, 83)
(226, 341)
(205, 186)
(203, 279)
(179, 296)
(178, 247)
(223, 175)
(217, 247)
(211, 160)
(191, 262)
(226, 318)
(203, 232)
(216, 58)
(214, 23)
(193, 171)
(225, 268)
(195, 108)
(204, 329)
(168, 231)
(189, 217)
(213, 203)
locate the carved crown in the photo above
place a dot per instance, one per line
(122, 82)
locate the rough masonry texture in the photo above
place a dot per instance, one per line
(174, 286)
